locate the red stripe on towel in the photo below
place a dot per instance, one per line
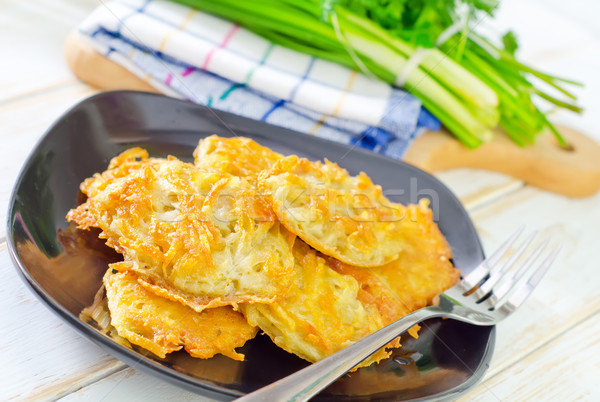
(221, 46)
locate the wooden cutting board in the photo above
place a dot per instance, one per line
(572, 172)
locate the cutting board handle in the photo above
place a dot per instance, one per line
(574, 172)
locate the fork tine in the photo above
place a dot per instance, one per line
(486, 287)
(523, 291)
(483, 269)
(504, 288)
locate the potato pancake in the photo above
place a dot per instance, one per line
(205, 235)
(238, 156)
(424, 268)
(422, 271)
(340, 215)
(163, 326)
(320, 315)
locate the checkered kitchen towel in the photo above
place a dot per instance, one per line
(196, 56)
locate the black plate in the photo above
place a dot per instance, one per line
(65, 271)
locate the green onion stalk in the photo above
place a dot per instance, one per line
(467, 82)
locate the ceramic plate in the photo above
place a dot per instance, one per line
(65, 271)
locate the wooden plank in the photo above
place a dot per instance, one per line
(518, 382)
(73, 382)
(569, 293)
(565, 369)
(32, 44)
(132, 385)
(42, 358)
(476, 188)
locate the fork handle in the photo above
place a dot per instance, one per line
(305, 383)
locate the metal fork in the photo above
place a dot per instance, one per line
(487, 295)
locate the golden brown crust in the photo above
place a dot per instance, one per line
(424, 268)
(343, 216)
(237, 156)
(163, 326)
(205, 235)
(422, 271)
(320, 315)
(156, 284)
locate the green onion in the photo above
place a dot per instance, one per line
(468, 83)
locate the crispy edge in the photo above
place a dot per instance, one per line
(160, 287)
(173, 341)
(293, 165)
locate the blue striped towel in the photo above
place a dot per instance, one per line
(210, 61)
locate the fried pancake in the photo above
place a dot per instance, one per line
(163, 326)
(372, 291)
(207, 236)
(424, 268)
(340, 215)
(98, 315)
(319, 316)
(238, 156)
(422, 271)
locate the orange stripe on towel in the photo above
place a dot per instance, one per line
(338, 106)
(181, 27)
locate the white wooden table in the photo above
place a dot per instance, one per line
(548, 350)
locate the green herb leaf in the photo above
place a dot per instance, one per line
(509, 40)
